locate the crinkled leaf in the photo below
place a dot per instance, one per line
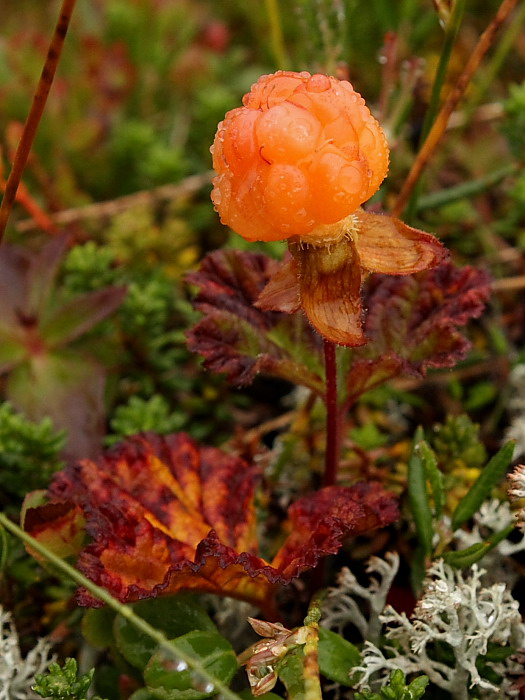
(412, 323)
(165, 515)
(66, 537)
(67, 387)
(322, 520)
(235, 337)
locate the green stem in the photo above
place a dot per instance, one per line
(466, 189)
(164, 643)
(276, 34)
(312, 684)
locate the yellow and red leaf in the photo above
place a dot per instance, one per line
(164, 515)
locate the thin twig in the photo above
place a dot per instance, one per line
(112, 207)
(508, 283)
(438, 128)
(35, 113)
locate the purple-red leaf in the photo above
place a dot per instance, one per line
(78, 316)
(241, 340)
(413, 323)
(68, 388)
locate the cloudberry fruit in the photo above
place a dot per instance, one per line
(303, 152)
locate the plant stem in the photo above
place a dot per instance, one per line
(164, 643)
(465, 189)
(35, 113)
(451, 33)
(508, 40)
(439, 126)
(276, 34)
(332, 415)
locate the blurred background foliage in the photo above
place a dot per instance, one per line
(139, 92)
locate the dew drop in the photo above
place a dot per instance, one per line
(180, 666)
(201, 684)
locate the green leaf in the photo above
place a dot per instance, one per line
(97, 627)
(433, 474)
(466, 557)
(336, 656)
(144, 694)
(396, 688)
(291, 673)
(216, 654)
(174, 615)
(418, 498)
(490, 477)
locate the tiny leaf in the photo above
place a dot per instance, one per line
(466, 557)
(434, 476)
(419, 501)
(490, 477)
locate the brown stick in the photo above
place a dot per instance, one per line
(438, 128)
(112, 207)
(35, 113)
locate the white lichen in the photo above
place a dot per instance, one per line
(457, 610)
(341, 608)
(17, 674)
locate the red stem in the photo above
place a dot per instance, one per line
(332, 415)
(35, 113)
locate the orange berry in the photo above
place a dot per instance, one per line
(302, 152)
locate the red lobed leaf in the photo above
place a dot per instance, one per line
(165, 514)
(242, 340)
(412, 323)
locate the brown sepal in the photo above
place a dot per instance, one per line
(387, 245)
(282, 291)
(330, 288)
